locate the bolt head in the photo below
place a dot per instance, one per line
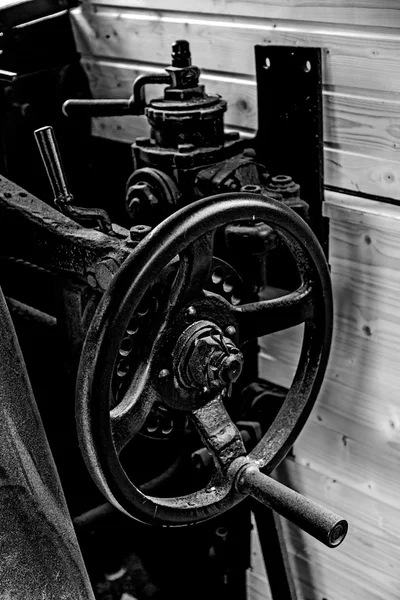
(191, 312)
(105, 271)
(138, 232)
(163, 374)
(230, 331)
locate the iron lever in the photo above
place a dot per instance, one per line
(108, 107)
(63, 198)
(321, 523)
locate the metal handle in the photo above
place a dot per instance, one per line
(108, 107)
(321, 523)
(97, 108)
(50, 153)
(63, 198)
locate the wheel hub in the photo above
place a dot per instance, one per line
(204, 359)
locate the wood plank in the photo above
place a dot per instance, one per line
(257, 587)
(373, 517)
(352, 123)
(364, 468)
(356, 12)
(370, 554)
(226, 45)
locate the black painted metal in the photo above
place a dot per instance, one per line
(290, 138)
(175, 236)
(321, 523)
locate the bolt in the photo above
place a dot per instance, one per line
(105, 271)
(254, 189)
(91, 279)
(191, 312)
(163, 374)
(230, 184)
(181, 54)
(230, 331)
(138, 232)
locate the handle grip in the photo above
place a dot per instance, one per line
(51, 157)
(321, 523)
(97, 108)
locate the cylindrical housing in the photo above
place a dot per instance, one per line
(321, 523)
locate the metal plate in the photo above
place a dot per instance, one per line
(290, 138)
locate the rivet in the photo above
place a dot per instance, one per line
(230, 331)
(163, 374)
(191, 312)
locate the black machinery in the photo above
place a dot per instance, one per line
(152, 324)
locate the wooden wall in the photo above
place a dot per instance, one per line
(348, 456)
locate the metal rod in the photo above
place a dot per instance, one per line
(321, 523)
(96, 108)
(50, 153)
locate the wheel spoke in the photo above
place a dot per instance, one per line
(194, 269)
(268, 316)
(218, 432)
(129, 415)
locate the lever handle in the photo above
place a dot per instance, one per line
(108, 107)
(51, 157)
(63, 198)
(97, 108)
(321, 523)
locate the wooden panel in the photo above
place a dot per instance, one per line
(370, 554)
(347, 456)
(357, 12)
(227, 47)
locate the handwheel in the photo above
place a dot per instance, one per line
(189, 358)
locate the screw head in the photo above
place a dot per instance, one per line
(230, 331)
(191, 312)
(163, 374)
(105, 271)
(138, 232)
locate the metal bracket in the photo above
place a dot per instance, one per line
(289, 139)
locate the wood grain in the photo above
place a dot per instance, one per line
(369, 558)
(352, 58)
(355, 12)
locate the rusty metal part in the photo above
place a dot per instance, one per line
(40, 553)
(135, 105)
(321, 523)
(204, 358)
(63, 198)
(151, 196)
(188, 233)
(290, 129)
(52, 240)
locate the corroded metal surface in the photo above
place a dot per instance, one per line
(52, 240)
(40, 557)
(175, 364)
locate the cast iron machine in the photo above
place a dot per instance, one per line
(162, 319)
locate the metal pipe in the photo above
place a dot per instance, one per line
(321, 523)
(40, 555)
